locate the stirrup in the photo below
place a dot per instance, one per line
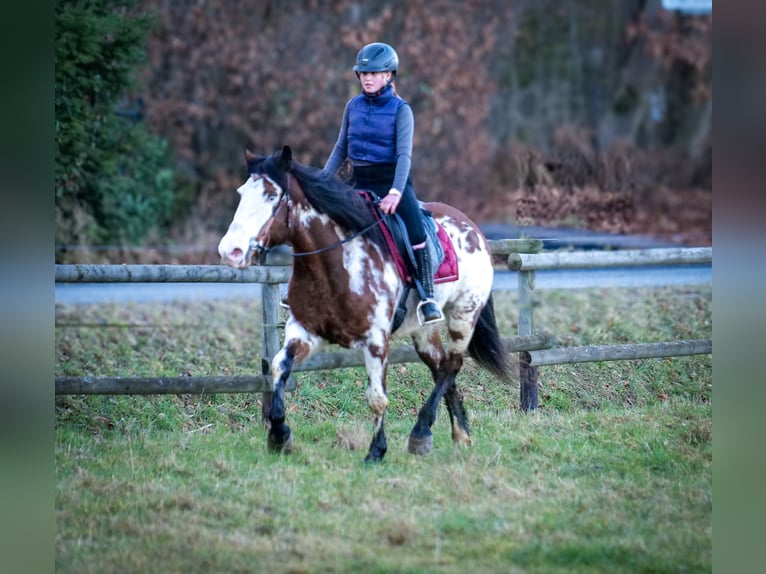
(419, 312)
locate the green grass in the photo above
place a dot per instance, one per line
(611, 474)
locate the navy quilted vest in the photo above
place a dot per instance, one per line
(372, 127)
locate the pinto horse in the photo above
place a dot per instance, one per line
(345, 287)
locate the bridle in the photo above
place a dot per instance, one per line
(262, 251)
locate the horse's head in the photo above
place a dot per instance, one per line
(261, 217)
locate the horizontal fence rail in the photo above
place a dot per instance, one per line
(627, 258)
(592, 353)
(407, 354)
(78, 273)
(166, 385)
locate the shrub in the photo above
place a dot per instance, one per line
(113, 180)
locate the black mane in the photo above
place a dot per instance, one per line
(327, 194)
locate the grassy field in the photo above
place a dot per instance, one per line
(611, 474)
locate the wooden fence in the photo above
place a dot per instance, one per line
(535, 348)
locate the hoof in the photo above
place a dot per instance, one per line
(280, 442)
(420, 445)
(460, 437)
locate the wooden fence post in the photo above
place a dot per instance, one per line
(527, 373)
(269, 337)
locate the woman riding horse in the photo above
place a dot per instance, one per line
(376, 134)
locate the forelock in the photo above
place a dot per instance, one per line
(268, 166)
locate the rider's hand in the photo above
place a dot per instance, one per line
(389, 203)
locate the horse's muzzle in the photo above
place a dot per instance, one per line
(241, 260)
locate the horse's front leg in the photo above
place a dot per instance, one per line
(299, 346)
(376, 361)
(280, 437)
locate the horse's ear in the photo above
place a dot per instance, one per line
(286, 158)
(249, 156)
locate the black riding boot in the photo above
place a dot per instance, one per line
(428, 307)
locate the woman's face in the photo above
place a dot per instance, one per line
(373, 82)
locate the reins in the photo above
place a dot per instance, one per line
(341, 242)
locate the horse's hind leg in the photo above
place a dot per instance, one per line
(445, 361)
(457, 416)
(444, 368)
(462, 320)
(421, 439)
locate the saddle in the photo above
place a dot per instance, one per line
(439, 244)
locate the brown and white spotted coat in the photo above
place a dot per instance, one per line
(346, 294)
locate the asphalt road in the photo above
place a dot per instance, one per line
(86, 293)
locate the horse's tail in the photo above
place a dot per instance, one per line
(486, 347)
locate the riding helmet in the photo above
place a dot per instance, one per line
(377, 57)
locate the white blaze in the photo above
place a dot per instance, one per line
(256, 204)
